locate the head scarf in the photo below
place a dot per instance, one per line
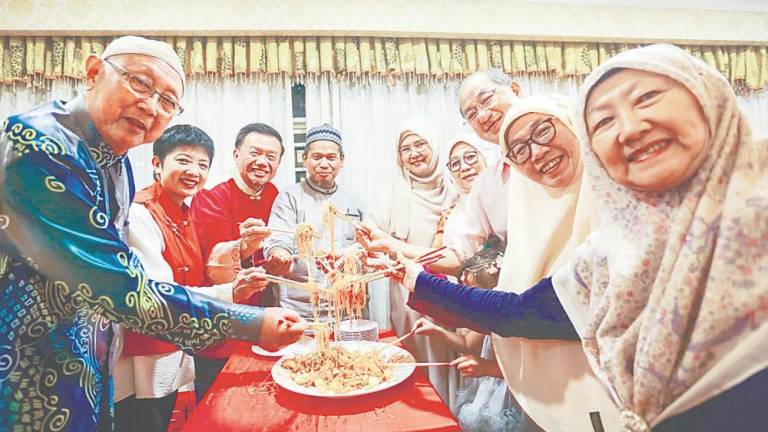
(552, 380)
(489, 152)
(418, 202)
(670, 294)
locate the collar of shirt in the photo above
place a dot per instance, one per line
(251, 192)
(100, 151)
(320, 189)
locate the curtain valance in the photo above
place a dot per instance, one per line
(37, 60)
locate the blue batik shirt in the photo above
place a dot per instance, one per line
(67, 278)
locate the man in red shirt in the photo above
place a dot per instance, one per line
(230, 220)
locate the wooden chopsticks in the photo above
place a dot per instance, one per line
(341, 215)
(420, 364)
(426, 259)
(402, 338)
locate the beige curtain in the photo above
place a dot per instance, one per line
(36, 60)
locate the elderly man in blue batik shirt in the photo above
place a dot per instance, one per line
(66, 276)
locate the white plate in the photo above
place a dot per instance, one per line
(304, 345)
(399, 374)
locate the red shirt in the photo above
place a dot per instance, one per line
(216, 215)
(218, 212)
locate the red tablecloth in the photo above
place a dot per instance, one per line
(245, 398)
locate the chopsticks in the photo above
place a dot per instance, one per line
(289, 232)
(341, 215)
(402, 338)
(420, 364)
(426, 259)
(294, 283)
(255, 263)
(284, 281)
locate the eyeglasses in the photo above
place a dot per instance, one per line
(542, 135)
(470, 158)
(485, 100)
(419, 146)
(167, 104)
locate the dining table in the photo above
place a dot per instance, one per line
(244, 397)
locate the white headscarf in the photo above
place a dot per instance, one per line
(489, 152)
(552, 380)
(418, 202)
(669, 295)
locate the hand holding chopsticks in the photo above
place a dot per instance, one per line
(402, 338)
(426, 259)
(420, 364)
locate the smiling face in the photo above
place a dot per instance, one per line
(324, 162)
(183, 171)
(467, 172)
(123, 119)
(554, 164)
(484, 103)
(648, 130)
(257, 159)
(416, 154)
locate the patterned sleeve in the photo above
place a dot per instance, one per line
(55, 218)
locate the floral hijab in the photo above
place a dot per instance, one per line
(670, 294)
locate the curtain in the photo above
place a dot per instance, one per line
(219, 107)
(36, 60)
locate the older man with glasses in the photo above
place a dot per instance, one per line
(66, 275)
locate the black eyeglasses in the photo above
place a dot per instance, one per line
(168, 105)
(470, 158)
(542, 135)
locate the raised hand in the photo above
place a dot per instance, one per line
(470, 366)
(247, 282)
(252, 232)
(279, 262)
(425, 327)
(412, 270)
(280, 327)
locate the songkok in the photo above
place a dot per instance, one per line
(324, 132)
(148, 47)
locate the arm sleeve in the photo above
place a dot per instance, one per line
(212, 220)
(465, 231)
(284, 216)
(224, 262)
(57, 210)
(534, 314)
(146, 241)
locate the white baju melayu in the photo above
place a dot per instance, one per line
(304, 202)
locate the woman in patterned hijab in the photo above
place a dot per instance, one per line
(670, 295)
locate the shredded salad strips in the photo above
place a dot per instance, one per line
(335, 369)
